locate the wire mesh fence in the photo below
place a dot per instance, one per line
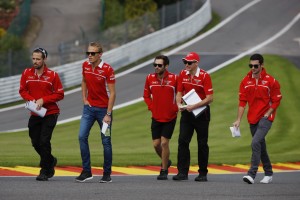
(113, 37)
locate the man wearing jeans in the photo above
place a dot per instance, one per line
(262, 93)
(98, 95)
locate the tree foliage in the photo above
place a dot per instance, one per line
(137, 8)
(113, 14)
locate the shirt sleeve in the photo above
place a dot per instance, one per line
(275, 95)
(242, 95)
(208, 85)
(179, 83)
(58, 91)
(110, 76)
(23, 91)
(147, 94)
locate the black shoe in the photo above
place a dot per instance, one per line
(201, 178)
(105, 179)
(51, 171)
(163, 175)
(42, 176)
(84, 176)
(180, 177)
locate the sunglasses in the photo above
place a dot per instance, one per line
(158, 65)
(255, 66)
(186, 62)
(91, 53)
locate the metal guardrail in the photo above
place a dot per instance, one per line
(71, 73)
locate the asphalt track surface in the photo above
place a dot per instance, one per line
(250, 28)
(219, 187)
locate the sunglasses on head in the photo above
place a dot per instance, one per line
(91, 53)
(255, 66)
(188, 62)
(158, 65)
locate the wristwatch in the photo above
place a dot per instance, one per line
(108, 113)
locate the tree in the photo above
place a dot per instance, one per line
(137, 8)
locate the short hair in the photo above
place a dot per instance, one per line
(41, 50)
(164, 58)
(98, 45)
(258, 57)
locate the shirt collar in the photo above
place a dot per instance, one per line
(100, 64)
(197, 72)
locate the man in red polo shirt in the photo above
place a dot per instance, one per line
(160, 97)
(43, 86)
(262, 93)
(98, 96)
(192, 77)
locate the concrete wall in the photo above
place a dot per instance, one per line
(70, 74)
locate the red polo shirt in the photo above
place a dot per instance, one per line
(201, 82)
(160, 96)
(96, 82)
(47, 86)
(260, 96)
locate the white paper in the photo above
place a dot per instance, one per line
(235, 131)
(30, 105)
(191, 98)
(104, 127)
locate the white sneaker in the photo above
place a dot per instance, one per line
(266, 179)
(248, 179)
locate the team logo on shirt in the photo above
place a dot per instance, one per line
(186, 79)
(87, 69)
(167, 82)
(197, 81)
(30, 77)
(46, 78)
(100, 71)
(264, 82)
(154, 82)
(249, 82)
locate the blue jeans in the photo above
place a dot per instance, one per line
(89, 116)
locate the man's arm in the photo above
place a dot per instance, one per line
(84, 92)
(239, 116)
(111, 102)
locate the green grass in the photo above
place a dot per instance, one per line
(132, 144)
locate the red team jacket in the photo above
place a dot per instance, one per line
(96, 82)
(201, 82)
(47, 86)
(160, 96)
(260, 97)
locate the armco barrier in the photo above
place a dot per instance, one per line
(71, 73)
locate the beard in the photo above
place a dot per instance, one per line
(36, 66)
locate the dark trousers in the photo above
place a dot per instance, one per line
(188, 123)
(40, 132)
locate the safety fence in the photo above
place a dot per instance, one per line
(128, 53)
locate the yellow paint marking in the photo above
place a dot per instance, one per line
(59, 172)
(290, 165)
(133, 171)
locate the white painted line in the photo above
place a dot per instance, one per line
(224, 22)
(274, 37)
(271, 39)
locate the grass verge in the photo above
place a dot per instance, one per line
(132, 144)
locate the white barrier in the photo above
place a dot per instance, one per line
(70, 74)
